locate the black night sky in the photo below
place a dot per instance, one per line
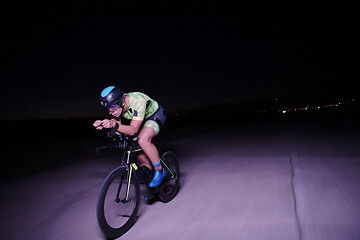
(59, 56)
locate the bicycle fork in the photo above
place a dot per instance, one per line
(128, 177)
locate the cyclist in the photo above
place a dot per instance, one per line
(147, 117)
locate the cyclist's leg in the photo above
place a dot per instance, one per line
(147, 174)
(143, 160)
(150, 129)
(145, 141)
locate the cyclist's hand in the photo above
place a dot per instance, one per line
(98, 124)
(108, 123)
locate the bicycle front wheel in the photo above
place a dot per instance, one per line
(118, 203)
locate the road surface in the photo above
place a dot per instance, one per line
(256, 181)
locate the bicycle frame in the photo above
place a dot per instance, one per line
(127, 143)
(133, 166)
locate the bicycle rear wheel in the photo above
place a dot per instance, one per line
(117, 206)
(170, 186)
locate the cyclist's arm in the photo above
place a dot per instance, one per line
(129, 129)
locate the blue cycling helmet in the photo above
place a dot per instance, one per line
(110, 96)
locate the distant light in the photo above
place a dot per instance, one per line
(284, 111)
(318, 107)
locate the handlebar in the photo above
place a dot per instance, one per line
(115, 135)
(124, 141)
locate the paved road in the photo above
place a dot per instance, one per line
(276, 180)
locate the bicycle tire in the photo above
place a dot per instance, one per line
(170, 187)
(123, 221)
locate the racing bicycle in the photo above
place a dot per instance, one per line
(119, 199)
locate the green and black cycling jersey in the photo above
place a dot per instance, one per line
(144, 108)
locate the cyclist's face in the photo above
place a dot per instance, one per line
(115, 110)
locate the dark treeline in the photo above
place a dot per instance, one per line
(31, 146)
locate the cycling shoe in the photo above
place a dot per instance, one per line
(158, 178)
